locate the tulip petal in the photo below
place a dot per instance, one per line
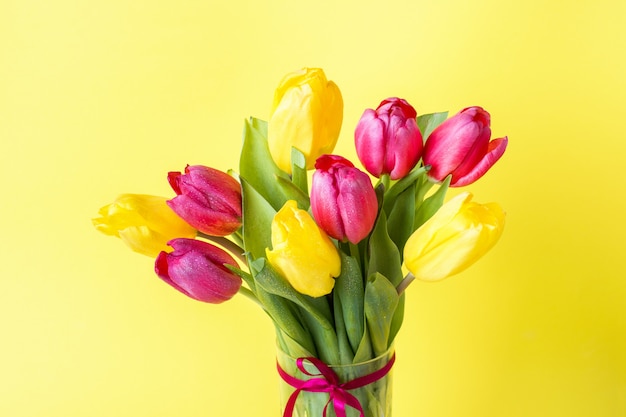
(208, 199)
(460, 147)
(324, 205)
(405, 150)
(356, 203)
(448, 258)
(453, 238)
(494, 153)
(302, 252)
(388, 140)
(343, 200)
(144, 222)
(448, 145)
(369, 142)
(306, 114)
(196, 269)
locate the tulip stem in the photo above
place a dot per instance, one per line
(409, 278)
(250, 295)
(227, 244)
(354, 251)
(385, 180)
(423, 186)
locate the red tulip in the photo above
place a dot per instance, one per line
(388, 140)
(460, 146)
(208, 199)
(343, 200)
(196, 269)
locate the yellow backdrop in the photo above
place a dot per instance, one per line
(100, 98)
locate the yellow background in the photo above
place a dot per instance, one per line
(100, 98)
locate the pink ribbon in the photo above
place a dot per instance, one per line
(328, 381)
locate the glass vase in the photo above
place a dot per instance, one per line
(374, 397)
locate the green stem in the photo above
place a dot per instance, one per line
(354, 251)
(402, 286)
(423, 186)
(250, 295)
(385, 180)
(227, 244)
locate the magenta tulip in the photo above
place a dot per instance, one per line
(208, 199)
(461, 146)
(197, 269)
(388, 140)
(343, 200)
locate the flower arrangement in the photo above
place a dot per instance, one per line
(329, 263)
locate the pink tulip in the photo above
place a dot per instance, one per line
(196, 269)
(460, 146)
(343, 200)
(388, 140)
(207, 199)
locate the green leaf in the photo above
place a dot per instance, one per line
(349, 290)
(299, 174)
(401, 185)
(398, 318)
(381, 300)
(428, 122)
(274, 283)
(384, 256)
(316, 311)
(430, 206)
(290, 346)
(364, 351)
(385, 259)
(245, 276)
(345, 350)
(284, 315)
(257, 166)
(257, 220)
(401, 218)
(292, 192)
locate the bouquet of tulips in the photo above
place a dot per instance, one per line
(328, 262)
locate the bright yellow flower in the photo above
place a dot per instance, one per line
(302, 252)
(454, 238)
(306, 114)
(144, 222)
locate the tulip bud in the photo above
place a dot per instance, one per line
(388, 140)
(343, 200)
(208, 199)
(454, 238)
(144, 222)
(196, 269)
(306, 114)
(302, 252)
(460, 146)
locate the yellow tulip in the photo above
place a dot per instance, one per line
(302, 252)
(306, 114)
(454, 238)
(144, 222)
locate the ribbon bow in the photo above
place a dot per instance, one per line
(328, 381)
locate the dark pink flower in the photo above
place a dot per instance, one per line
(208, 199)
(196, 269)
(343, 200)
(461, 146)
(388, 140)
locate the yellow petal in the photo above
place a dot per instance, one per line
(144, 222)
(302, 252)
(306, 114)
(454, 238)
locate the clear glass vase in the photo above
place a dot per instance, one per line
(374, 397)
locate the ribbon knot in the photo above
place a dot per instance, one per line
(326, 380)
